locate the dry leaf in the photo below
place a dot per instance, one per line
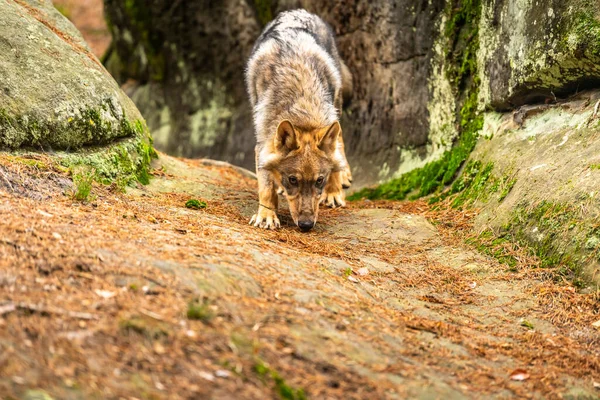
(519, 375)
(221, 373)
(206, 375)
(105, 294)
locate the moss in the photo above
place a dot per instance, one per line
(82, 182)
(495, 247)
(584, 34)
(542, 227)
(148, 327)
(199, 311)
(462, 45)
(473, 183)
(195, 204)
(284, 391)
(87, 126)
(123, 163)
(507, 184)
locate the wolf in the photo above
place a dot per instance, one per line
(297, 85)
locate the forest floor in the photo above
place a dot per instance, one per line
(133, 295)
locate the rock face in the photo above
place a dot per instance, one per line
(188, 60)
(531, 53)
(535, 180)
(423, 72)
(54, 94)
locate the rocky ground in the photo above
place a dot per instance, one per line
(133, 295)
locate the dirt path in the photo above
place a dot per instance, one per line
(135, 296)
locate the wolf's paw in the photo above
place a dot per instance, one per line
(334, 199)
(346, 177)
(265, 218)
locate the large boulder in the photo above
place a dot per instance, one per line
(537, 51)
(56, 95)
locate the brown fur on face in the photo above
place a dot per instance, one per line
(303, 162)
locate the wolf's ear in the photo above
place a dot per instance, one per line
(285, 139)
(328, 142)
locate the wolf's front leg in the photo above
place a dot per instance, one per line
(333, 195)
(266, 216)
(345, 173)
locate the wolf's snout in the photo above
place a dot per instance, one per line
(306, 225)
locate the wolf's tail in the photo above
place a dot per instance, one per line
(347, 85)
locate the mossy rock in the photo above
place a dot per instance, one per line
(56, 96)
(538, 51)
(54, 93)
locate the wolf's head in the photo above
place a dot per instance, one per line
(301, 162)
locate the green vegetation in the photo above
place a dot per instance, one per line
(82, 182)
(195, 204)
(499, 248)
(200, 311)
(347, 272)
(88, 126)
(586, 33)
(507, 184)
(146, 326)
(462, 45)
(122, 163)
(527, 324)
(284, 391)
(539, 226)
(472, 185)
(476, 183)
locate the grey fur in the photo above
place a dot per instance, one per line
(294, 73)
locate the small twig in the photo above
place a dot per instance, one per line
(7, 308)
(10, 307)
(152, 315)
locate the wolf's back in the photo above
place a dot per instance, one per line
(288, 25)
(295, 73)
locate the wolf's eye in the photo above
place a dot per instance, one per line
(293, 180)
(320, 181)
